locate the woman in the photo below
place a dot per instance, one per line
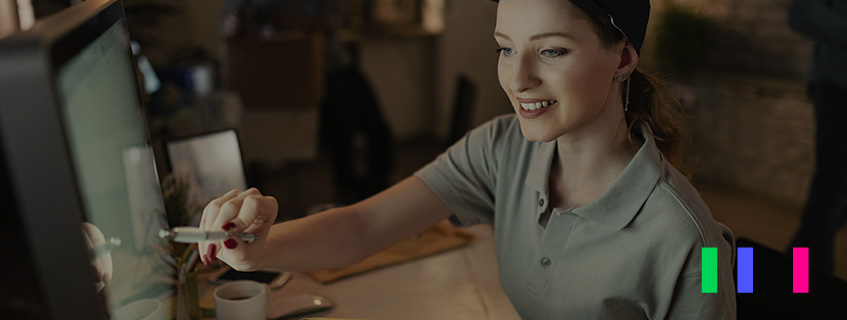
(591, 219)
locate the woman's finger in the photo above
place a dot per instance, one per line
(257, 214)
(212, 210)
(205, 248)
(231, 209)
(228, 210)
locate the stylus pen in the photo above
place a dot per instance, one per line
(194, 235)
(105, 248)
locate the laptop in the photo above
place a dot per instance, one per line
(210, 163)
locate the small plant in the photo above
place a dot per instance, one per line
(178, 207)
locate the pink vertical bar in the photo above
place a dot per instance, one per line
(801, 270)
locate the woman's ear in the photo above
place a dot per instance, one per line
(629, 59)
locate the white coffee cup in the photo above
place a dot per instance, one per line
(144, 309)
(241, 300)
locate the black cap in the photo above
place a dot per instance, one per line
(629, 16)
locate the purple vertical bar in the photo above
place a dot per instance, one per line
(745, 270)
(801, 270)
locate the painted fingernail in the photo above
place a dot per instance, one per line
(212, 252)
(229, 226)
(230, 244)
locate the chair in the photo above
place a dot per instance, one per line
(463, 106)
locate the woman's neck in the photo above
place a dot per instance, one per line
(585, 167)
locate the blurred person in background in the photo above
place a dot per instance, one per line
(349, 107)
(825, 212)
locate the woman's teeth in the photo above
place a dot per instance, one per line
(537, 105)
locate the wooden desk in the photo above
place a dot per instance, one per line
(457, 284)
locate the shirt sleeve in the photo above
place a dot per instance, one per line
(817, 19)
(464, 176)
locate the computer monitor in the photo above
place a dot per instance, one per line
(76, 152)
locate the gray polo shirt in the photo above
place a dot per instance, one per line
(634, 253)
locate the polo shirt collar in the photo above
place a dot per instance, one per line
(539, 169)
(622, 201)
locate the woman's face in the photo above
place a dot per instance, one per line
(555, 70)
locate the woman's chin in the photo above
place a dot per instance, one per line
(537, 134)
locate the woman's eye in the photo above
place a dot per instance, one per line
(552, 53)
(505, 51)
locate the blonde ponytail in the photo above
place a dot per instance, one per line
(653, 104)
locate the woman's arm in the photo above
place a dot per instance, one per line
(331, 239)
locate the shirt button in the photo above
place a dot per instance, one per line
(541, 202)
(546, 263)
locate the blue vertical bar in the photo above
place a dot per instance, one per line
(745, 270)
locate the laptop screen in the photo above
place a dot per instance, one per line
(210, 164)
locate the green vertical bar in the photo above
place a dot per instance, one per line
(710, 270)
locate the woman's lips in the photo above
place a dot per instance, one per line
(532, 114)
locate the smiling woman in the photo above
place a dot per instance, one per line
(591, 218)
(554, 55)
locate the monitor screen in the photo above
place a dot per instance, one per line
(78, 165)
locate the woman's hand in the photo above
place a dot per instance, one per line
(247, 211)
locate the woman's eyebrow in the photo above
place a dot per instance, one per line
(537, 36)
(550, 35)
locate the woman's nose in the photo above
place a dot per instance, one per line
(524, 75)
